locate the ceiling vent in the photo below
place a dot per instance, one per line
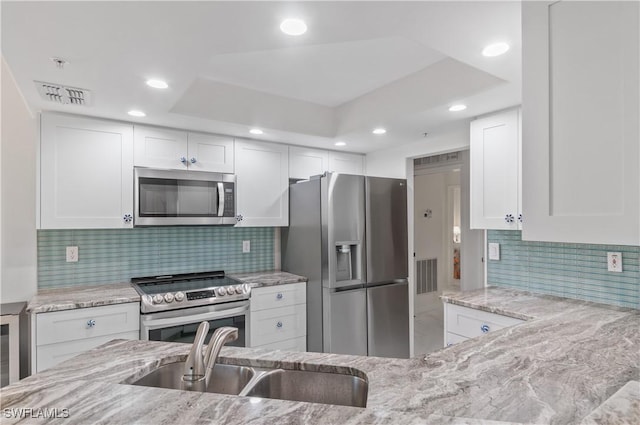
(63, 94)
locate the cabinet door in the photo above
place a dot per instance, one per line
(304, 163)
(581, 122)
(495, 167)
(160, 148)
(348, 163)
(86, 173)
(262, 184)
(210, 153)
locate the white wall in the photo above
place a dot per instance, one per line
(18, 199)
(392, 162)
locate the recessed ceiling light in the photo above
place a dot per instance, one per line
(293, 26)
(137, 113)
(379, 131)
(256, 131)
(340, 144)
(457, 108)
(157, 84)
(496, 49)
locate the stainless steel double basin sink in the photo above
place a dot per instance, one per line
(283, 384)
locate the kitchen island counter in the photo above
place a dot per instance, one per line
(559, 367)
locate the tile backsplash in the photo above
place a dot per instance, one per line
(565, 269)
(116, 255)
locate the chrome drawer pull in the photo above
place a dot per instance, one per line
(91, 323)
(279, 296)
(279, 324)
(484, 328)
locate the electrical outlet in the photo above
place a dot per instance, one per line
(72, 254)
(494, 251)
(246, 246)
(614, 262)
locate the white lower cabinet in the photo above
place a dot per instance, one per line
(60, 335)
(462, 323)
(278, 317)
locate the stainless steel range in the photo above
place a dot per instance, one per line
(172, 306)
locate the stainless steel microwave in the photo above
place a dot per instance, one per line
(177, 198)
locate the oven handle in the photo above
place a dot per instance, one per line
(182, 320)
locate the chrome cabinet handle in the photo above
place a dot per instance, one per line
(279, 296)
(239, 218)
(449, 344)
(91, 323)
(520, 218)
(193, 160)
(279, 324)
(509, 218)
(127, 218)
(183, 160)
(484, 328)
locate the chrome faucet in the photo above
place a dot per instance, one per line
(198, 367)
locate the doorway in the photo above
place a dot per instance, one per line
(437, 244)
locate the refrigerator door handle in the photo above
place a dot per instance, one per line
(348, 288)
(390, 283)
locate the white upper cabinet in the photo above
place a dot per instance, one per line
(86, 173)
(179, 150)
(581, 154)
(160, 148)
(207, 152)
(262, 183)
(348, 163)
(495, 171)
(307, 162)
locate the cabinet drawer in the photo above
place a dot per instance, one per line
(71, 325)
(469, 322)
(278, 296)
(451, 339)
(268, 326)
(295, 344)
(51, 354)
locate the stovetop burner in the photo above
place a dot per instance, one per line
(170, 292)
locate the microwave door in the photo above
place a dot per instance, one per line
(196, 198)
(158, 197)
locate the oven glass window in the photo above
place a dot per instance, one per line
(187, 333)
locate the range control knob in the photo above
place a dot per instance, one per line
(158, 298)
(246, 288)
(179, 296)
(221, 292)
(230, 290)
(239, 289)
(168, 297)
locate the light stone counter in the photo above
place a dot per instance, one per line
(68, 298)
(557, 368)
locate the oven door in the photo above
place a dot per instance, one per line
(181, 325)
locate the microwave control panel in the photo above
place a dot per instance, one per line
(229, 200)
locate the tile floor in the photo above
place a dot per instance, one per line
(429, 323)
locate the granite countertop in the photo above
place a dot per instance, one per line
(572, 362)
(68, 298)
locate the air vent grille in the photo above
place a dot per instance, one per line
(438, 160)
(426, 276)
(63, 94)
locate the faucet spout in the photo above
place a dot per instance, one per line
(193, 378)
(220, 337)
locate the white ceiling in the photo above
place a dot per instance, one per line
(361, 64)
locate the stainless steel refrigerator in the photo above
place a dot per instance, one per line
(348, 235)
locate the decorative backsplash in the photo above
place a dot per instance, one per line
(568, 270)
(116, 255)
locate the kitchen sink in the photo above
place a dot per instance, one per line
(226, 379)
(283, 384)
(312, 387)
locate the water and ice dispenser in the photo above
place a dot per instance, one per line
(348, 259)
